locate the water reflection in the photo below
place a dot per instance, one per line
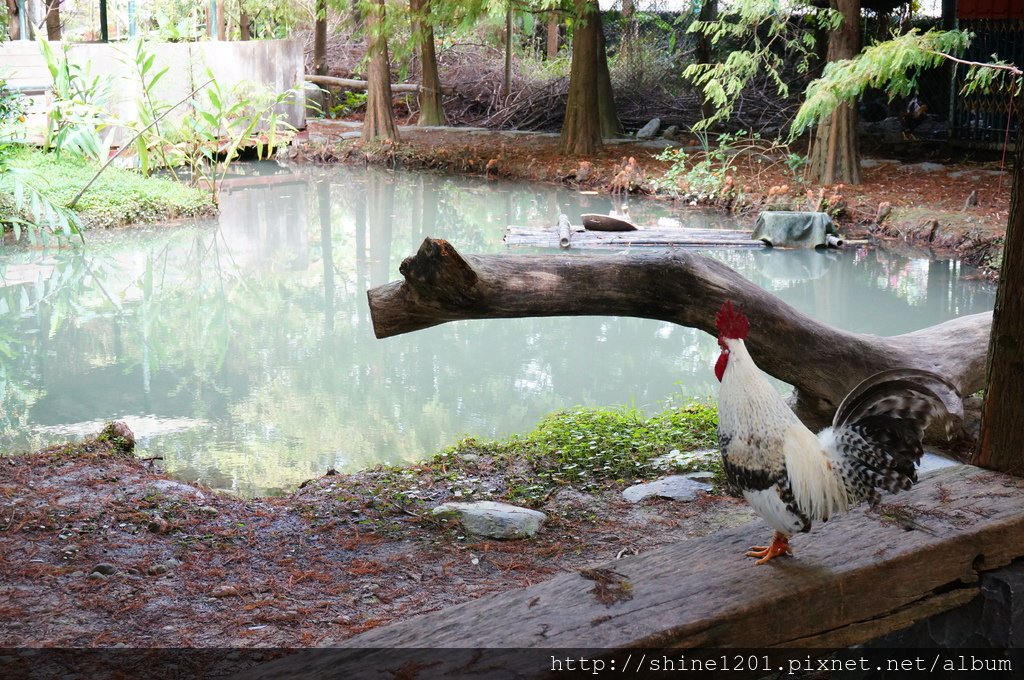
(242, 351)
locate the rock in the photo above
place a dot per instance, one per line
(493, 520)
(105, 569)
(96, 576)
(675, 457)
(584, 171)
(209, 510)
(884, 210)
(923, 167)
(676, 487)
(224, 591)
(670, 132)
(171, 563)
(650, 130)
(173, 488)
(120, 436)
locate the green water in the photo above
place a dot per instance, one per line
(241, 350)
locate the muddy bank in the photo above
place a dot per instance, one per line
(957, 209)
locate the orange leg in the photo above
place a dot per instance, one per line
(779, 546)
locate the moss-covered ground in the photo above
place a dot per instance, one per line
(117, 198)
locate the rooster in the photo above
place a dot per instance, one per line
(793, 477)
(912, 116)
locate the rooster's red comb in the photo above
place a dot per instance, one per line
(731, 323)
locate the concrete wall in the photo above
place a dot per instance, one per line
(275, 64)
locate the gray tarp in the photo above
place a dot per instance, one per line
(789, 229)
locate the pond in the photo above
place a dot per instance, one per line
(241, 350)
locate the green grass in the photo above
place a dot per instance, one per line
(117, 198)
(586, 449)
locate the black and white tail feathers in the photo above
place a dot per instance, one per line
(878, 428)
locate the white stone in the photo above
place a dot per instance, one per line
(494, 520)
(676, 487)
(648, 131)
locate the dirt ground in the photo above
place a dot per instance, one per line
(99, 549)
(922, 193)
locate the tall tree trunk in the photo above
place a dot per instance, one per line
(834, 156)
(322, 98)
(1002, 425)
(222, 21)
(553, 24)
(431, 106)
(320, 39)
(581, 129)
(244, 26)
(379, 122)
(705, 53)
(53, 19)
(627, 44)
(13, 23)
(506, 85)
(610, 125)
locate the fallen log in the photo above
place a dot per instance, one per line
(822, 363)
(352, 84)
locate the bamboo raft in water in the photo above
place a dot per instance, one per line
(566, 236)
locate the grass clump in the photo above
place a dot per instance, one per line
(117, 198)
(587, 449)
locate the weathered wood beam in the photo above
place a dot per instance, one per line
(821, 362)
(860, 576)
(352, 84)
(658, 237)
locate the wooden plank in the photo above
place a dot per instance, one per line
(858, 576)
(648, 237)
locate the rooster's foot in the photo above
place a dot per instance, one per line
(779, 546)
